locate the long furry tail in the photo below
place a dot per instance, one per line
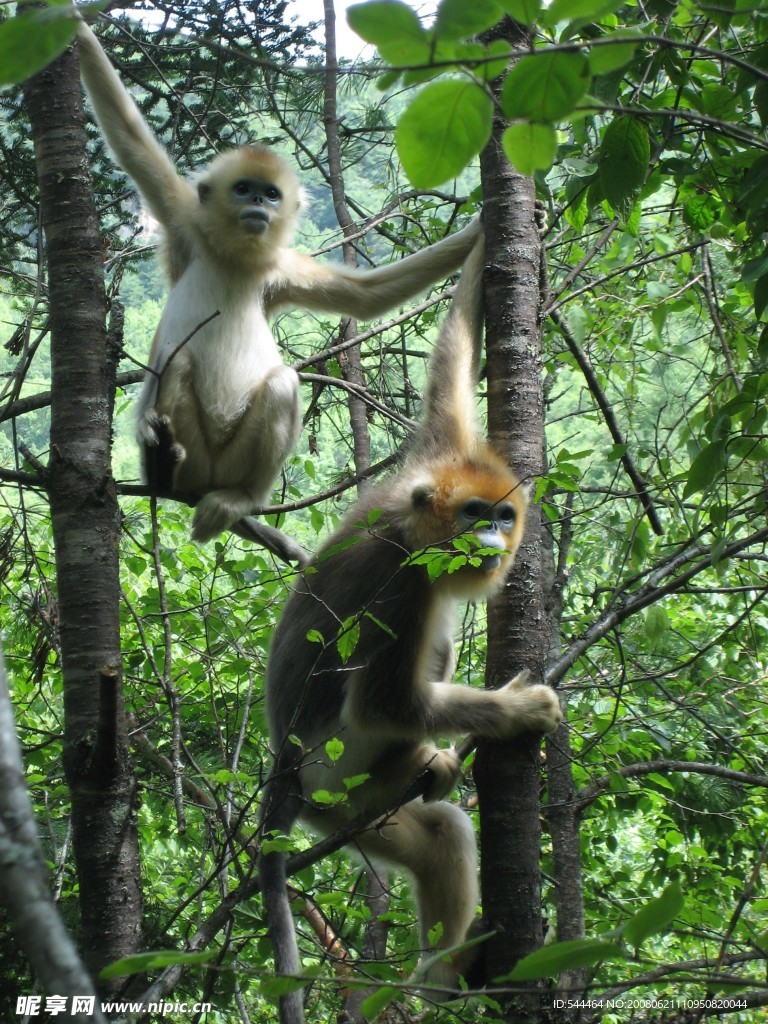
(449, 419)
(279, 812)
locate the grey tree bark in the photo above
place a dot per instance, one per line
(85, 517)
(508, 774)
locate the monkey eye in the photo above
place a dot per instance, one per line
(242, 188)
(507, 514)
(272, 192)
(474, 510)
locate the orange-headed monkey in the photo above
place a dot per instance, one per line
(363, 653)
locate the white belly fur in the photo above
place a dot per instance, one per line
(232, 353)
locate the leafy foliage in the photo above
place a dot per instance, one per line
(644, 131)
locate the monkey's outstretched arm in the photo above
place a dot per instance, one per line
(137, 150)
(363, 294)
(451, 709)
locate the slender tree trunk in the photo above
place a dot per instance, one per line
(350, 362)
(508, 773)
(85, 519)
(561, 812)
(24, 883)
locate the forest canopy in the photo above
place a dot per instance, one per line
(618, 155)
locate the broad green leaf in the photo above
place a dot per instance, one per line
(623, 163)
(525, 12)
(446, 125)
(457, 19)
(611, 56)
(705, 468)
(545, 87)
(327, 798)
(656, 623)
(549, 961)
(334, 748)
(654, 916)
(378, 1001)
(719, 11)
(32, 40)
(753, 270)
(530, 147)
(278, 844)
(394, 28)
(700, 212)
(581, 10)
(141, 962)
(500, 49)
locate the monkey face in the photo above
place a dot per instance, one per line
(482, 500)
(491, 525)
(256, 203)
(249, 201)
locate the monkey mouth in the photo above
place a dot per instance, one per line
(490, 563)
(254, 220)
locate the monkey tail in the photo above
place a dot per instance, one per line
(279, 812)
(449, 420)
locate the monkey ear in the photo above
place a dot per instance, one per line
(203, 191)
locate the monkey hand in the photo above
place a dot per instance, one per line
(153, 429)
(161, 453)
(530, 708)
(444, 768)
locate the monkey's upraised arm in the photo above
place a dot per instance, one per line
(449, 413)
(137, 150)
(363, 294)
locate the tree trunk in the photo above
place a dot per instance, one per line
(24, 882)
(349, 360)
(508, 773)
(85, 518)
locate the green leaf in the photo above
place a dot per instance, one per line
(394, 28)
(761, 295)
(356, 780)
(444, 127)
(378, 1001)
(32, 40)
(611, 56)
(654, 916)
(705, 468)
(754, 269)
(334, 749)
(457, 19)
(349, 634)
(272, 988)
(581, 10)
(552, 960)
(656, 623)
(141, 962)
(278, 844)
(525, 12)
(530, 147)
(545, 87)
(700, 212)
(623, 163)
(381, 625)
